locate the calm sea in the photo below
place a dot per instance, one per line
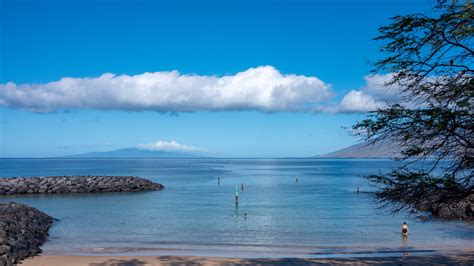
(321, 215)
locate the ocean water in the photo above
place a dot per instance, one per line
(321, 215)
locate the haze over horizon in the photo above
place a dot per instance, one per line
(270, 79)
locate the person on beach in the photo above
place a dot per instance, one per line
(405, 229)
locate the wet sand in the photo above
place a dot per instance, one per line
(448, 258)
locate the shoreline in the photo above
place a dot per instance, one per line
(359, 256)
(456, 258)
(259, 252)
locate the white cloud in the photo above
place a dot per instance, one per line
(358, 101)
(375, 94)
(262, 88)
(172, 146)
(377, 86)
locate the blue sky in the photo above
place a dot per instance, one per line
(298, 41)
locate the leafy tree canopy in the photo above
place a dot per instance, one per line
(430, 59)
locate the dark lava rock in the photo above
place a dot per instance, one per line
(456, 209)
(22, 231)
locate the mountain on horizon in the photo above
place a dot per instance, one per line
(134, 153)
(380, 149)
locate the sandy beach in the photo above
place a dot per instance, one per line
(454, 258)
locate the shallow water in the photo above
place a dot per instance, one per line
(321, 215)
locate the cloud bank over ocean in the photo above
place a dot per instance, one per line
(170, 146)
(263, 89)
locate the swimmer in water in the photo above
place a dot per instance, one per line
(405, 229)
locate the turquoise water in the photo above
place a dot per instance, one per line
(321, 215)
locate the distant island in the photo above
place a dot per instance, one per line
(135, 153)
(381, 149)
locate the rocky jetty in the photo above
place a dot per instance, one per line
(75, 184)
(456, 209)
(22, 230)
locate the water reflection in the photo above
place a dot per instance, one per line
(321, 213)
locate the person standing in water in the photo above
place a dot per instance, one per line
(405, 229)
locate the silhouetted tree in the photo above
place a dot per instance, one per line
(431, 62)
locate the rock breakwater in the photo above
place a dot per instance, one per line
(75, 184)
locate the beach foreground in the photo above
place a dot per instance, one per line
(464, 258)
